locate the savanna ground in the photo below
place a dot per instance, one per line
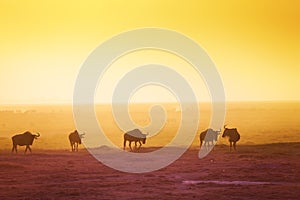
(258, 170)
(268, 171)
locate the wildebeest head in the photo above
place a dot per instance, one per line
(37, 135)
(81, 135)
(227, 131)
(218, 133)
(34, 136)
(144, 139)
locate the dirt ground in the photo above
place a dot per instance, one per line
(270, 171)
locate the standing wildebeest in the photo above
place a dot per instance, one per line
(233, 136)
(134, 136)
(75, 139)
(23, 139)
(209, 135)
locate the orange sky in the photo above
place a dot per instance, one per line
(254, 44)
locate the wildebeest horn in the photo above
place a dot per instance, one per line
(38, 135)
(82, 135)
(225, 126)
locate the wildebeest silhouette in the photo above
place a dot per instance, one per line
(23, 139)
(233, 136)
(209, 136)
(136, 136)
(75, 139)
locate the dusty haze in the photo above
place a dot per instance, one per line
(257, 122)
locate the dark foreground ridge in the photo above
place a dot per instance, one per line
(253, 172)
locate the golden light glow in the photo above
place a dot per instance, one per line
(255, 44)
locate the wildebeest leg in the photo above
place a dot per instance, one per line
(211, 143)
(71, 143)
(140, 144)
(135, 145)
(124, 144)
(130, 145)
(230, 145)
(234, 146)
(27, 147)
(207, 146)
(14, 148)
(73, 146)
(76, 146)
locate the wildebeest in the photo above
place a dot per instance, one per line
(134, 136)
(209, 136)
(233, 136)
(23, 139)
(75, 139)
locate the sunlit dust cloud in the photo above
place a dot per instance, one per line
(258, 123)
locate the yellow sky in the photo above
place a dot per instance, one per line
(255, 45)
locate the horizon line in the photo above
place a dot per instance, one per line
(151, 102)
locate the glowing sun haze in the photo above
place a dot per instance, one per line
(254, 44)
